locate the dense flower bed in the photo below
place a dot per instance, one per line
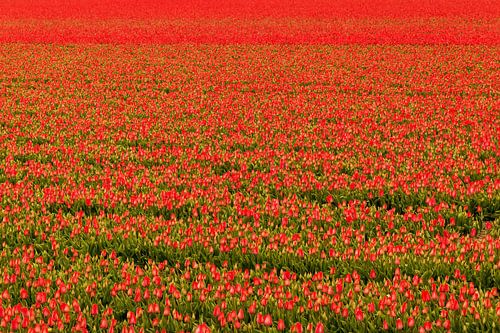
(463, 22)
(253, 187)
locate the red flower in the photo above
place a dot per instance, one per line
(359, 314)
(23, 293)
(268, 321)
(339, 287)
(260, 318)
(65, 308)
(487, 303)
(252, 308)
(41, 297)
(131, 318)
(104, 323)
(202, 328)
(297, 328)
(241, 314)
(399, 324)
(76, 306)
(281, 325)
(320, 328)
(426, 296)
(15, 324)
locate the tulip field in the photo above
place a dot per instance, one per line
(254, 166)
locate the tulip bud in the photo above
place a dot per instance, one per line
(281, 325)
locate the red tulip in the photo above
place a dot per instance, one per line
(252, 308)
(23, 293)
(281, 325)
(241, 314)
(15, 324)
(297, 328)
(104, 323)
(76, 304)
(131, 318)
(359, 314)
(320, 328)
(268, 321)
(65, 308)
(41, 297)
(260, 318)
(339, 287)
(426, 297)
(202, 328)
(399, 324)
